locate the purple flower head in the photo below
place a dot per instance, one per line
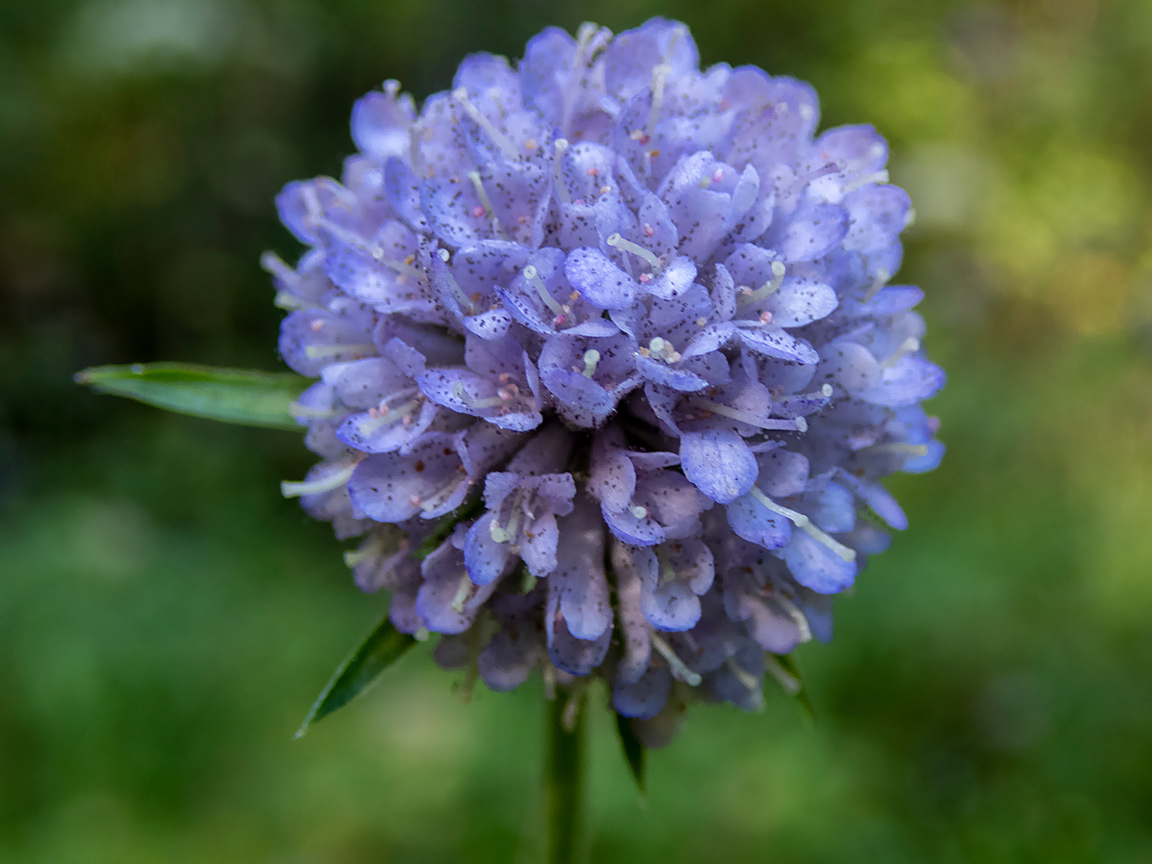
(611, 337)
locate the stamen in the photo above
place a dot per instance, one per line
(293, 489)
(860, 182)
(746, 678)
(289, 302)
(460, 94)
(489, 211)
(533, 277)
(804, 523)
(679, 668)
(882, 277)
(466, 304)
(660, 74)
(591, 358)
(316, 352)
(390, 417)
(784, 424)
(559, 146)
(462, 595)
(371, 549)
(639, 251)
(796, 615)
(638, 511)
(788, 682)
(907, 449)
(907, 347)
(491, 402)
(778, 271)
(301, 412)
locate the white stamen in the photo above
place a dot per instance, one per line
(461, 595)
(778, 271)
(679, 669)
(370, 549)
(390, 417)
(491, 402)
(639, 251)
(796, 615)
(746, 678)
(907, 449)
(591, 358)
(325, 483)
(316, 352)
(882, 277)
(559, 146)
(290, 302)
(826, 391)
(789, 683)
(860, 182)
(460, 94)
(784, 424)
(638, 511)
(486, 203)
(533, 277)
(907, 347)
(660, 74)
(804, 523)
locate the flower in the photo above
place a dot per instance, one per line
(608, 365)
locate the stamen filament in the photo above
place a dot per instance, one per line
(909, 449)
(908, 346)
(293, 489)
(784, 424)
(533, 277)
(746, 678)
(882, 277)
(316, 352)
(778, 271)
(789, 683)
(591, 358)
(805, 524)
(461, 597)
(860, 182)
(559, 146)
(639, 251)
(485, 202)
(680, 670)
(460, 94)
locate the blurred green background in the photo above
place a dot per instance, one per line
(166, 618)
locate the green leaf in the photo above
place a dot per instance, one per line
(240, 396)
(793, 684)
(383, 647)
(635, 753)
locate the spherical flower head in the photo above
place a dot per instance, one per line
(608, 364)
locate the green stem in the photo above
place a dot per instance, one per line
(564, 783)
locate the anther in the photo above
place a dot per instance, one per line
(647, 255)
(747, 680)
(460, 94)
(638, 511)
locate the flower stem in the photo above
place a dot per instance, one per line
(564, 781)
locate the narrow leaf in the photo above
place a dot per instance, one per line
(789, 667)
(383, 647)
(635, 754)
(241, 396)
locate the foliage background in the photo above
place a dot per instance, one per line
(165, 618)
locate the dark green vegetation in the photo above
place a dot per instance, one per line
(166, 619)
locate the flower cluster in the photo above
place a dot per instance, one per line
(609, 368)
